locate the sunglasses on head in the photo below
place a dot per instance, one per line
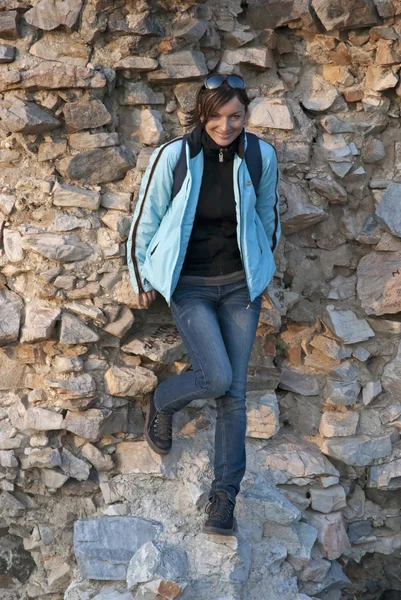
(212, 82)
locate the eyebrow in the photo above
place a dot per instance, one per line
(237, 112)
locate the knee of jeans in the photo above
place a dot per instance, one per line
(220, 383)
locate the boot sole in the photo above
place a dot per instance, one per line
(147, 437)
(220, 531)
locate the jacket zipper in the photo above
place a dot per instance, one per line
(134, 262)
(221, 161)
(242, 255)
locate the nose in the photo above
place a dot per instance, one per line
(224, 125)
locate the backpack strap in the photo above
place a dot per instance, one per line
(253, 158)
(180, 169)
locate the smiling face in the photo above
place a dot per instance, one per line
(227, 122)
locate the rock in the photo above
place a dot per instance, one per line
(41, 419)
(27, 117)
(62, 47)
(346, 326)
(40, 320)
(12, 243)
(257, 57)
(341, 393)
(388, 209)
(9, 25)
(227, 561)
(338, 424)
(160, 343)
(139, 93)
(371, 390)
(380, 78)
(374, 151)
(8, 460)
(95, 423)
(137, 457)
(268, 504)
(7, 202)
(89, 141)
(74, 331)
(328, 500)
(298, 382)
(83, 386)
(262, 415)
(40, 459)
(12, 373)
(122, 324)
(10, 316)
(50, 151)
(54, 75)
(378, 283)
(331, 535)
(342, 288)
(74, 466)
(68, 195)
(330, 189)
(113, 595)
(320, 95)
(358, 450)
(385, 476)
(98, 166)
(49, 14)
(117, 200)
(190, 30)
(104, 546)
(101, 462)
(7, 54)
(16, 562)
(348, 14)
(298, 213)
(274, 114)
(330, 347)
(129, 381)
(136, 63)
(291, 462)
(185, 64)
(10, 506)
(62, 248)
(152, 562)
(85, 114)
(186, 95)
(391, 374)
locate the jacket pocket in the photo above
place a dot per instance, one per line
(154, 249)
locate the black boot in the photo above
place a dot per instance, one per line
(158, 429)
(221, 518)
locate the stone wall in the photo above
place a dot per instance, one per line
(88, 89)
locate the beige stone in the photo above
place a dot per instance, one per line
(275, 114)
(338, 424)
(331, 535)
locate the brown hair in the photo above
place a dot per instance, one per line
(209, 101)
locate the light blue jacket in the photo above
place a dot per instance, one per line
(161, 227)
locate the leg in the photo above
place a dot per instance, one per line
(238, 326)
(194, 312)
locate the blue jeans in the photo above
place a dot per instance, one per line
(218, 330)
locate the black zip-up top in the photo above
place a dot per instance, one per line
(213, 247)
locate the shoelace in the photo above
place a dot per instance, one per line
(163, 426)
(219, 509)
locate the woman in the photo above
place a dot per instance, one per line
(208, 247)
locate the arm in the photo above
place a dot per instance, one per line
(153, 201)
(268, 199)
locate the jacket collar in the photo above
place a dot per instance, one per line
(194, 140)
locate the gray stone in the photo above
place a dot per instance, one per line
(10, 316)
(338, 424)
(74, 466)
(378, 286)
(63, 248)
(95, 423)
(333, 124)
(374, 151)
(349, 14)
(270, 505)
(320, 95)
(358, 530)
(40, 459)
(89, 141)
(152, 562)
(269, 113)
(185, 64)
(10, 506)
(7, 54)
(113, 595)
(49, 14)
(371, 390)
(55, 75)
(186, 95)
(74, 331)
(101, 462)
(40, 321)
(122, 324)
(83, 386)
(346, 326)
(41, 419)
(257, 57)
(7, 459)
(298, 382)
(9, 25)
(190, 30)
(117, 200)
(27, 117)
(386, 476)
(391, 374)
(328, 500)
(136, 63)
(306, 535)
(104, 546)
(160, 343)
(67, 195)
(262, 415)
(85, 114)
(129, 381)
(330, 189)
(341, 393)
(342, 288)
(98, 166)
(330, 347)
(358, 450)
(135, 94)
(297, 211)
(388, 210)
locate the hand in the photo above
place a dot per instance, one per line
(145, 299)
